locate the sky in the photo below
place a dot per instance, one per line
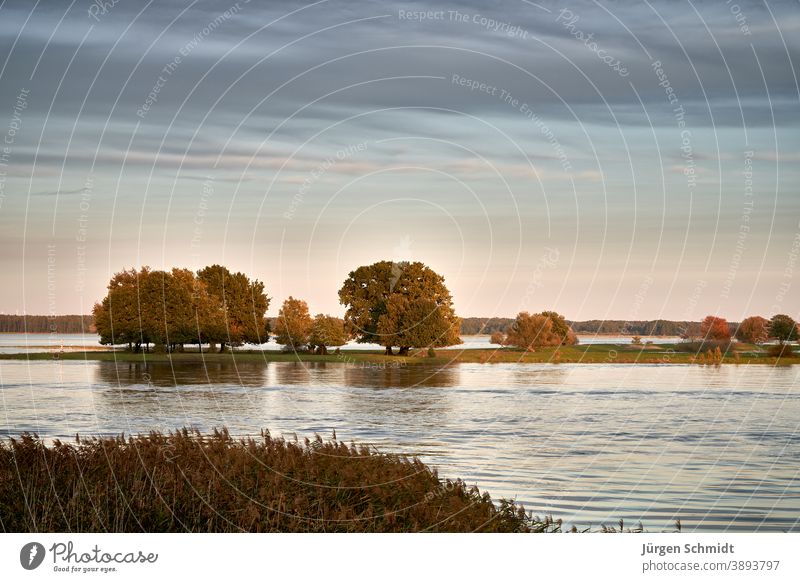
(609, 160)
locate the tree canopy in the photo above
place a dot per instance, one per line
(294, 324)
(561, 329)
(753, 330)
(402, 304)
(173, 308)
(783, 328)
(532, 331)
(715, 328)
(244, 304)
(327, 332)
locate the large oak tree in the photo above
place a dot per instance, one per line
(399, 304)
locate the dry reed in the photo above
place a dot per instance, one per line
(188, 482)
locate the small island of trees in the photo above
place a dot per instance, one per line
(397, 305)
(538, 330)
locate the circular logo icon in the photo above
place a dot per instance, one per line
(31, 555)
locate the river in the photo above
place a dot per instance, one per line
(716, 447)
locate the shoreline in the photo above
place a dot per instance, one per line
(581, 354)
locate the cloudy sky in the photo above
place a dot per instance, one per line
(605, 159)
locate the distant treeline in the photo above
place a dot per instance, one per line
(484, 325)
(46, 324)
(469, 325)
(656, 327)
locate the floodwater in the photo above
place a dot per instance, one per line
(716, 447)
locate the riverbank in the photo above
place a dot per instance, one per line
(586, 354)
(188, 482)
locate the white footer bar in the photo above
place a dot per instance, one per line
(371, 557)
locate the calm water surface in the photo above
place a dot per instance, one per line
(717, 448)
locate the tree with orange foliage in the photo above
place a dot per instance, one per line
(715, 328)
(753, 330)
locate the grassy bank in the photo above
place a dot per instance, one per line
(587, 354)
(189, 482)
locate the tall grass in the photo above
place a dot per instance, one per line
(781, 351)
(185, 481)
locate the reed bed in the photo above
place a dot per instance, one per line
(189, 482)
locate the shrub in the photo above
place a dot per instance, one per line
(530, 332)
(781, 351)
(700, 347)
(561, 328)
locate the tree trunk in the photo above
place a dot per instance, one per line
(403, 351)
(222, 347)
(211, 347)
(389, 351)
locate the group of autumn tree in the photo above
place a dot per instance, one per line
(404, 305)
(752, 330)
(393, 304)
(549, 329)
